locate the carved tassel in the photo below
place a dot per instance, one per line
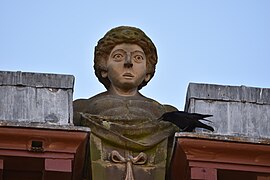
(129, 174)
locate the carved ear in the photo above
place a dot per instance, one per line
(147, 77)
(104, 74)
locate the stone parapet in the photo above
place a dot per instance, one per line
(36, 97)
(236, 110)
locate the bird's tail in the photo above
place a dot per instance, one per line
(206, 115)
(201, 116)
(207, 120)
(202, 125)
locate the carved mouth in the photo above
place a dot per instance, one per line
(128, 75)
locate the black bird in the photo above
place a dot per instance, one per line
(187, 122)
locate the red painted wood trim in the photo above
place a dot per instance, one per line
(228, 166)
(1, 164)
(203, 173)
(193, 152)
(1, 168)
(60, 165)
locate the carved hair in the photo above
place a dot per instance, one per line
(119, 35)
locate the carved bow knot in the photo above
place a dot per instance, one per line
(129, 160)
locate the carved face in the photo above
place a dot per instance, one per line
(126, 67)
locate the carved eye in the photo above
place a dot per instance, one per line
(138, 58)
(118, 57)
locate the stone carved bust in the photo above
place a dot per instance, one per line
(121, 118)
(125, 61)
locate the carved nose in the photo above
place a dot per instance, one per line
(128, 63)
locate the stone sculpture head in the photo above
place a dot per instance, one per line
(120, 36)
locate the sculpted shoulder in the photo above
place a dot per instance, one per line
(128, 107)
(88, 105)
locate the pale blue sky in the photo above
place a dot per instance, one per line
(206, 41)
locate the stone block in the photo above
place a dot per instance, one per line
(36, 97)
(236, 110)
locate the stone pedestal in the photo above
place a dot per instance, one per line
(150, 166)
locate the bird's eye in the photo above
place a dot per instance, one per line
(118, 57)
(138, 58)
